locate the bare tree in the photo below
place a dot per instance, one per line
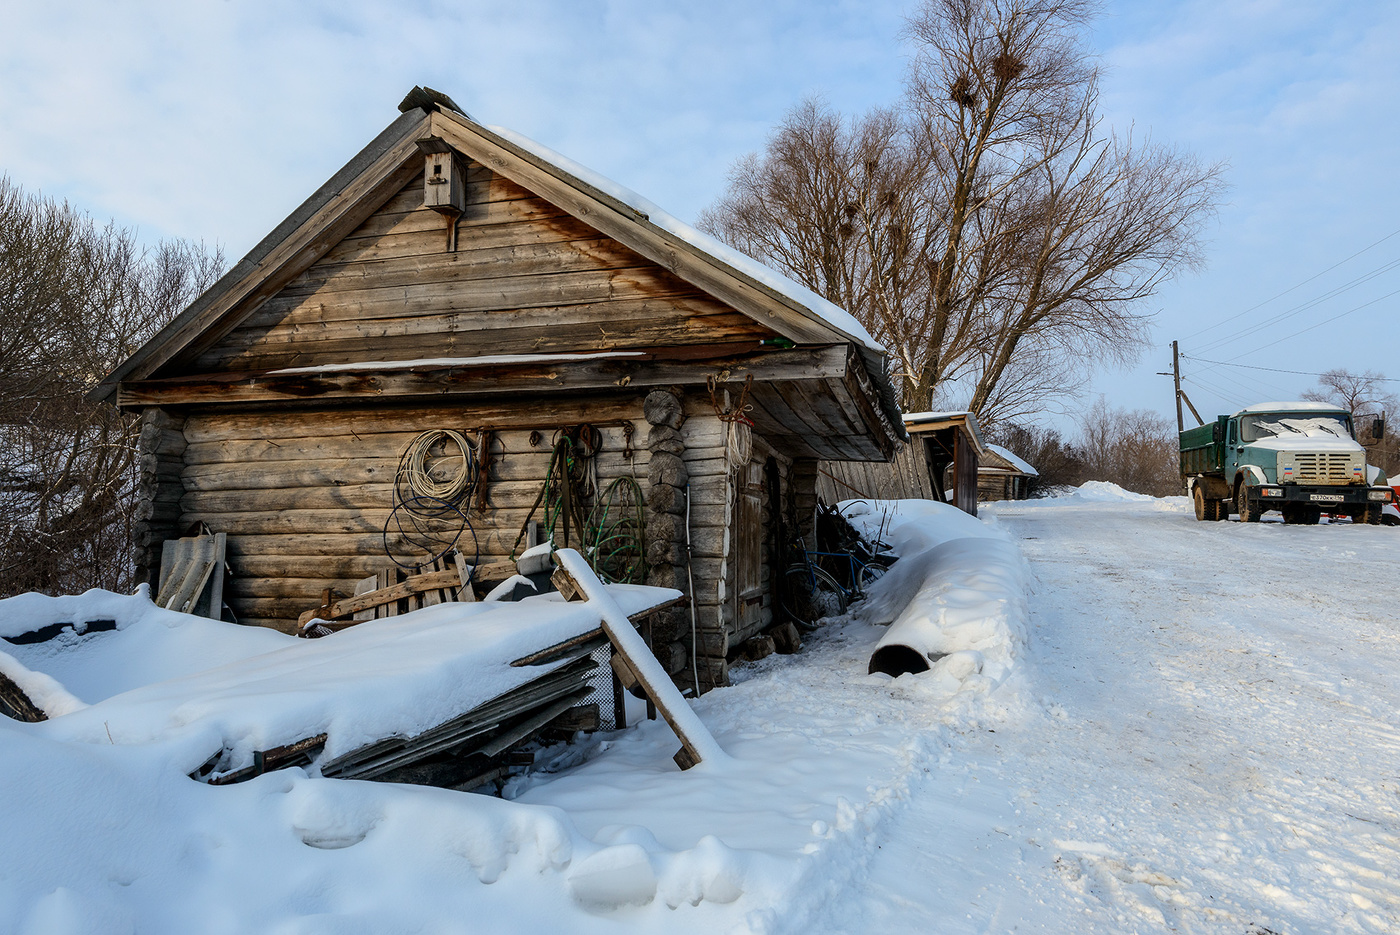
(75, 299)
(1136, 449)
(987, 230)
(1367, 396)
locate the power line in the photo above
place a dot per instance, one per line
(1325, 321)
(1301, 373)
(1304, 306)
(1293, 287)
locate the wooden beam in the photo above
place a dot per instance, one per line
(697, 744)
(387, 381)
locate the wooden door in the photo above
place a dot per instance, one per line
(748, 547)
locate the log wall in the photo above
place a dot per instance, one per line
(305, 495)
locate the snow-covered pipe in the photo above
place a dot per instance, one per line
(971, 596)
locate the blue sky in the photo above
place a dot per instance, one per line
(214, 120)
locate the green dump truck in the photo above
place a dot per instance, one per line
(1300, 458)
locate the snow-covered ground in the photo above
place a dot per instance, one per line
(1185, 727)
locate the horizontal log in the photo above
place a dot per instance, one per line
(222, 425)
(469, 380)
(368, 521)
(288, 626)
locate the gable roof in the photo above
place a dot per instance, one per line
(390, 160)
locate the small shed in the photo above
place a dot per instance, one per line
(939, 462)
(1002, 475)
(458, 278)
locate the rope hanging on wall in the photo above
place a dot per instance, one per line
(610, 533)
(428, 519)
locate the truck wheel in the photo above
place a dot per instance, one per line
(1249, 512)
(1217, 509)
(1205, 509)
(1372, 515)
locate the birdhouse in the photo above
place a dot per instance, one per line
(444, 184)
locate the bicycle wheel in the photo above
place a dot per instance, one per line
(871, 573)
(810, 594)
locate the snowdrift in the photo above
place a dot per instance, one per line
(956, 599)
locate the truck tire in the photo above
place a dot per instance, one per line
(1249, 512)
(1372, 514)
(1205, 508)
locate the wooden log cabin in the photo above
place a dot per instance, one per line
(457, 277)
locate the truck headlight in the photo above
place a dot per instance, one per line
(1381, 495)
(1271, 492)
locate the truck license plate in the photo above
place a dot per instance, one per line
(1326, 498)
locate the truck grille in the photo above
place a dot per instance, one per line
(1312, 468)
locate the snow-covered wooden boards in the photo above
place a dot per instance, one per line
(578, 579)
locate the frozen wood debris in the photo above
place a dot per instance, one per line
(476, 745)
(192, 575)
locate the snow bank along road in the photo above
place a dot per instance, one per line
(1186, 727)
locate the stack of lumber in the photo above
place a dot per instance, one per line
(445, 695)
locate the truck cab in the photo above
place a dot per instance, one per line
(1301, 458)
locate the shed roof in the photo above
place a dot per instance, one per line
(1014, 463)
(917, 422)
(753, 289)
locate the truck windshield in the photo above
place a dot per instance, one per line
(1271, 425)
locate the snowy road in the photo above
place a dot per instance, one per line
(1210, 743)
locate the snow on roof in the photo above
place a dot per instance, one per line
(1295, 406)
(919, 417)
(1020, 465)
(436, 362)
(832, 314)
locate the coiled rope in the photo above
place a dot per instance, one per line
(428, 515)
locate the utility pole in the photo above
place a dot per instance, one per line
(1176, 378)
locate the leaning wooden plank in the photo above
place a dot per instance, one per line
(594, 638)
(414, 584)
(187, 567)
(697, 745)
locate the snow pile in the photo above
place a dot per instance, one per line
(149, 644)
(956, 599)
(396, 677)
(1100, 491)
(825, 762)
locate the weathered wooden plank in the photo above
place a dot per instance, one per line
(310, 317)
(482, 263)
(468, 380)
(479, 235)
(452, 335)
